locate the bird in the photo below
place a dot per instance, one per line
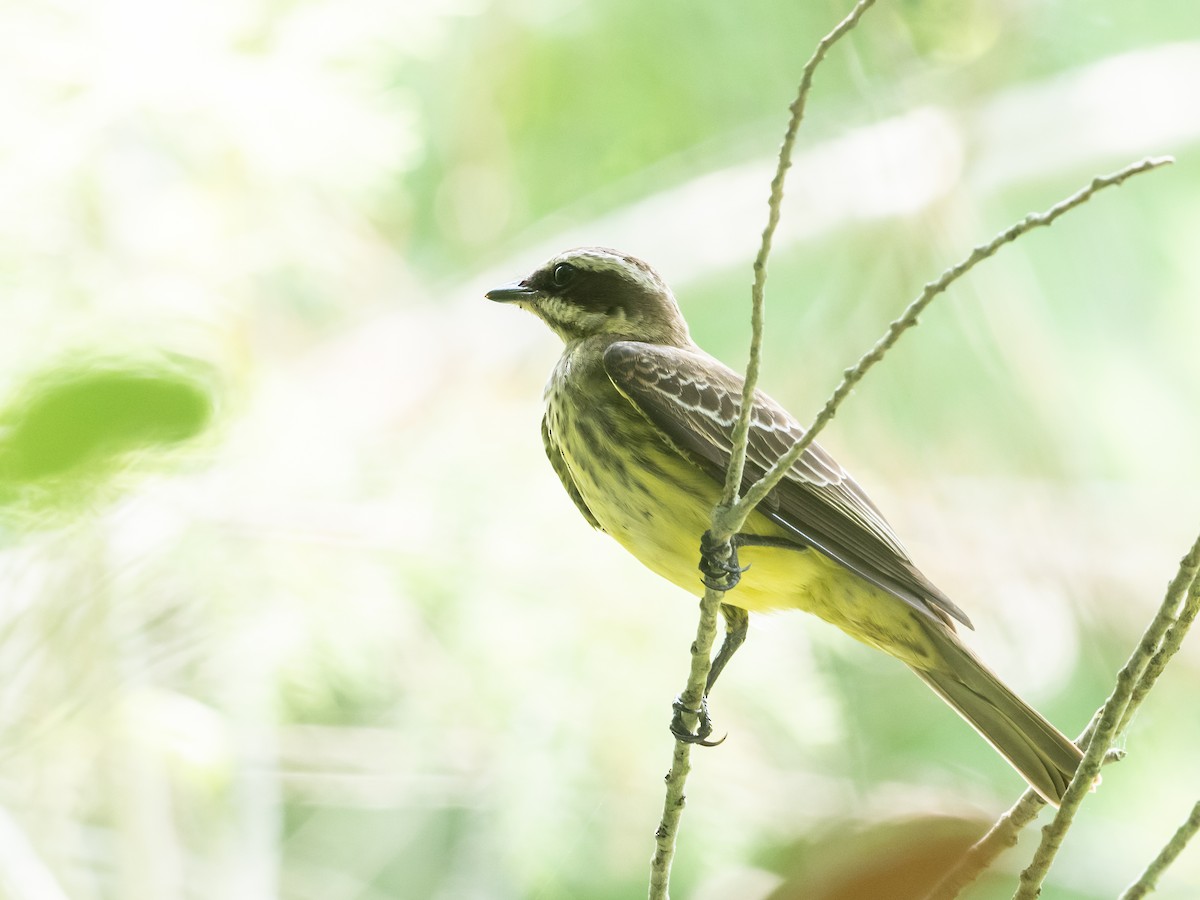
(638, 426)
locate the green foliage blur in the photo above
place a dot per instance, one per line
(291, 604)
(69, 432)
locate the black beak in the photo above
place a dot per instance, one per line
(514, 290)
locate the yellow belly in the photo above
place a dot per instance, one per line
(658, 510)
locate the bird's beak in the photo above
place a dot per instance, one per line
(511, 292)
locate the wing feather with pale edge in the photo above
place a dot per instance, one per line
(694, 400)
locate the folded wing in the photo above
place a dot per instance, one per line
(694, 401)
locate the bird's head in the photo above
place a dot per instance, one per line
(594, 291)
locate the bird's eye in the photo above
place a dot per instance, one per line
(563, 274)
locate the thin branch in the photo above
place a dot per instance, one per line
(730, 514)
(1000, 837)
(1114, 712)
(1170, 644)
(668, 827)
(1166, 856)
(1003, 834)
(667, 833)
(701, 651)
(759, 490)
(737, 462)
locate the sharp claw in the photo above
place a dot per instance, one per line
(701, 742)
(703, 730)
(719, 574)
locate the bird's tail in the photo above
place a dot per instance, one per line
(1042, 754)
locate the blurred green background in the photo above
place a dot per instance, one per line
(291, 604)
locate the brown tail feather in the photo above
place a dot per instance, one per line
(1042, 754)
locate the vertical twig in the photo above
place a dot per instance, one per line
(667, 833)
(737, 462)
(731, 512)
(724, 526)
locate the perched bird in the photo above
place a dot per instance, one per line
(638, 425)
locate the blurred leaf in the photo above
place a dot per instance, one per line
(70, 430)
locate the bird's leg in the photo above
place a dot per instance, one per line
(737, 624)
(722, 574)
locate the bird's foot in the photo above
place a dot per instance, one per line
(720, 573)
(703, 727)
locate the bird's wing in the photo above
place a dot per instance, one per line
(564, 474)
(694, 401)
